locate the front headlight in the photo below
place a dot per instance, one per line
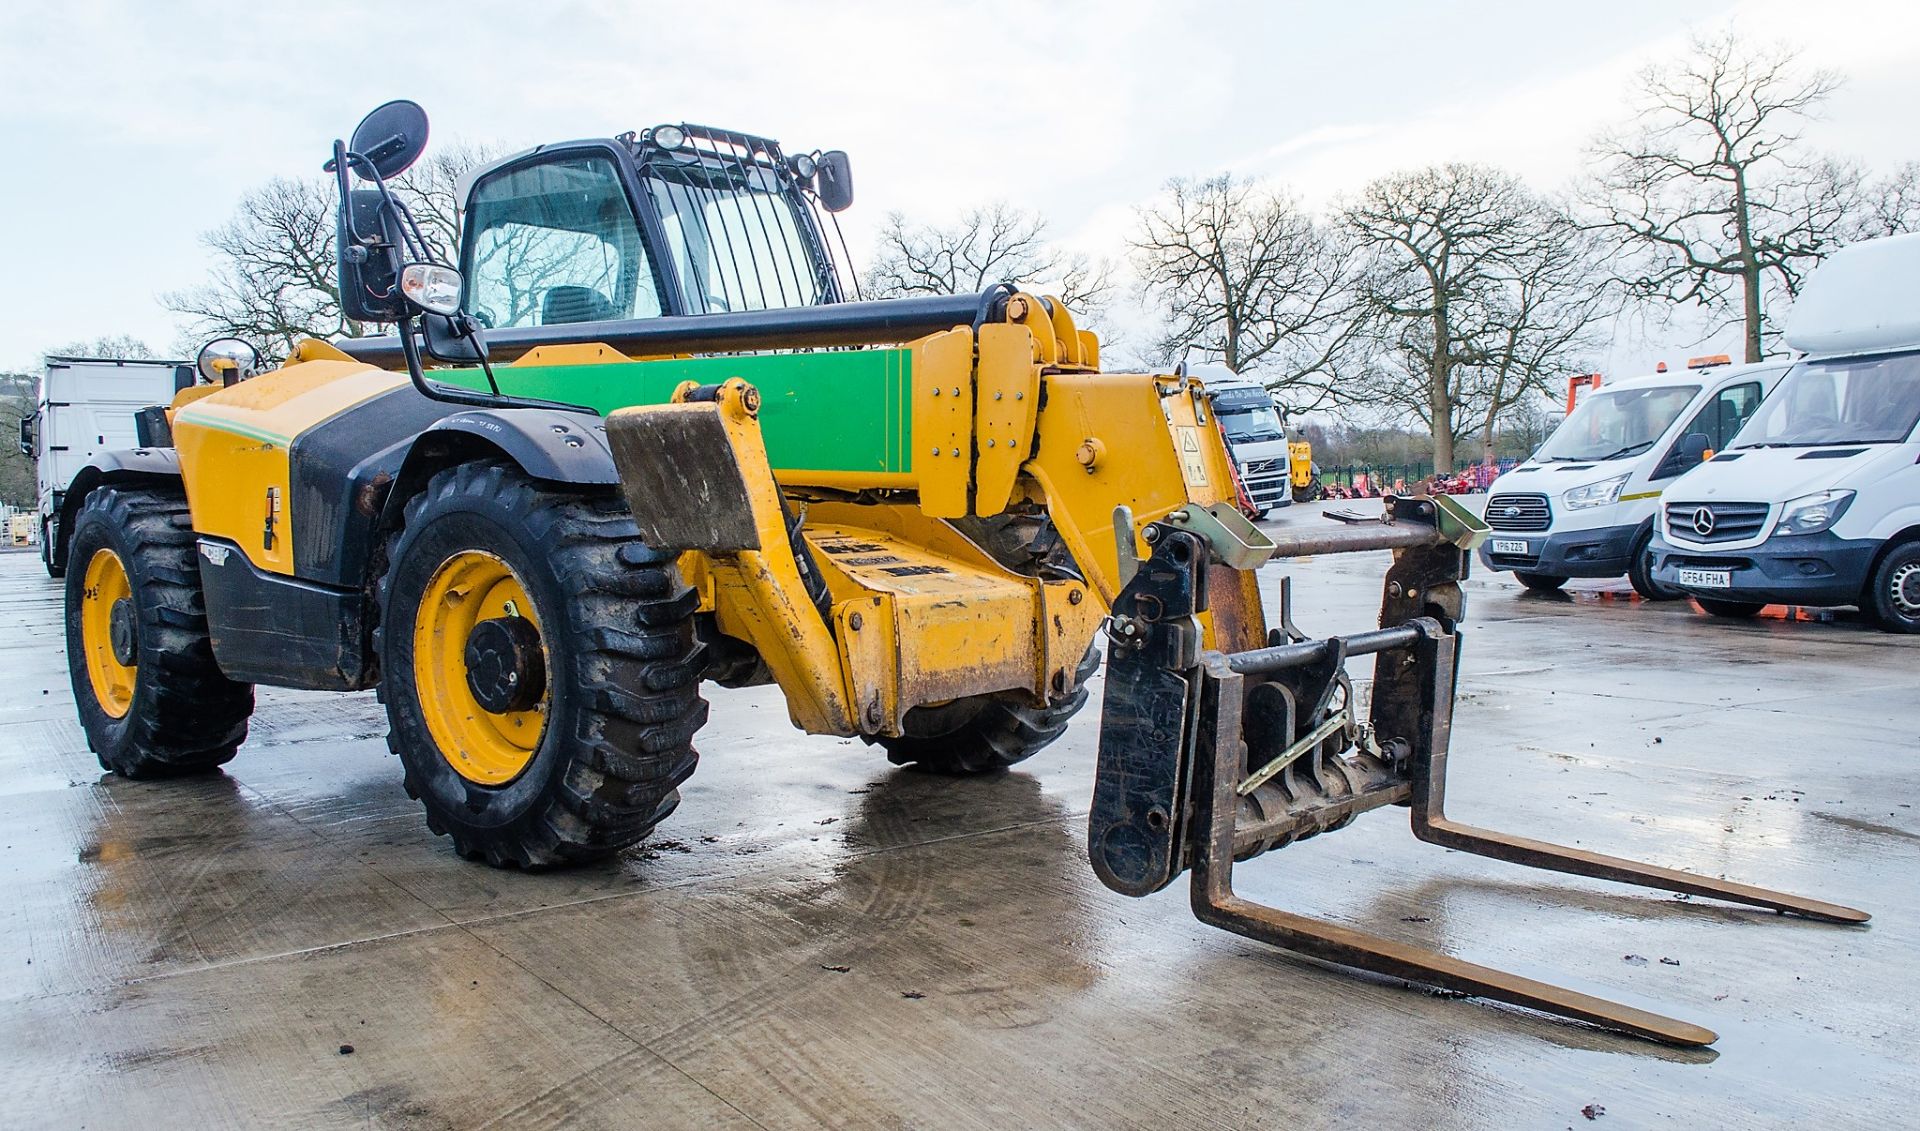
(1810, 514)
(1595, 494)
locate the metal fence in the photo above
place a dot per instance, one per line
(1379, 479)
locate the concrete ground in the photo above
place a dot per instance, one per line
(816, 939)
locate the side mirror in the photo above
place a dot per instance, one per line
(369, 271)
(1695, 449)
(26, 436)
(223, 361)
(456, 338)
(392, 137)
(834, 177)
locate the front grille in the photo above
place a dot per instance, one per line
(1256, 466)
(1519, 512)
(1722, 522)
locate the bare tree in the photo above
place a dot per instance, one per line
(19, 485)
(1891, 206)
(1477, 291)
(1250, 278)
(122, 346)
(989, 244)
(1538, 316)
(275, 279)
(1709, 195)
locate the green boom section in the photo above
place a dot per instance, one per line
(840, 410)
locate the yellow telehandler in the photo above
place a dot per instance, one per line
(637, 436)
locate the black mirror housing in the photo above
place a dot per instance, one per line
(834, 180)
(1693, 449)
(369, 271)
(456, 339)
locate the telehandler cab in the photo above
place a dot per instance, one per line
(658, 445)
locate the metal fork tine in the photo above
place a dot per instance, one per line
(1430, 824)
(1215, 903)
(1559, 858)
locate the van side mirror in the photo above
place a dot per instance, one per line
(1695, 448)
(834, 176)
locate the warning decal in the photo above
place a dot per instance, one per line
(1192, 461)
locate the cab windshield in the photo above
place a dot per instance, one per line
(1250, 425)
(736, 238)
(1866, 400)
(1247, 416)
(1616, 423)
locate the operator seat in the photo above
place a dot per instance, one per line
(575, 304)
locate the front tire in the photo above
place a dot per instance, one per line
(1729, 610)
(1539, 582)
(1640, 570)
(1893, 592)
(983, 733)
(539, 668)
(152, 699)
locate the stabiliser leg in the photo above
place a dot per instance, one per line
(1186, 783)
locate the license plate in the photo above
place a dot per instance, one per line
(1707, 578)
(1510, 546)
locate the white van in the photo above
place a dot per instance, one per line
(1817, 500)
(1584, 504)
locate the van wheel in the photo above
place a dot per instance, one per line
(1729, 610)
(1893, 594)
(1640, 570)
(1539, 582)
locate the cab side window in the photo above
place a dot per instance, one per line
(1719, 420)
(557, 242)
(1724, 415)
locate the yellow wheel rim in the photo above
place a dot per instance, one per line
(104, 585)
(481, 746)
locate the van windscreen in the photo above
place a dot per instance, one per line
(1615, 423)
(1842, 400)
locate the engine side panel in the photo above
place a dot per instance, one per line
(236, 450)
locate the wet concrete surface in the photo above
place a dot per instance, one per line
(818, 939)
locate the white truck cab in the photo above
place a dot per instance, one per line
(1256, 435)
(1817, 500)
(1585, 503)
(87, 407)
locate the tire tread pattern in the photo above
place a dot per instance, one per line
(988, 732)
(187, 716)
(632, 657)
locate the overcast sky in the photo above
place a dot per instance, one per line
(131, 127)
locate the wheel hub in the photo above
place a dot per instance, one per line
(1905, 589)
(506, 668)
(122, 635)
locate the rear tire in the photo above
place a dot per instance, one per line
(984, 733)
(1539, 582)
(618, 670)
(1640, 571)
(1729, 610)
(135, 596)
(1893, 592)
